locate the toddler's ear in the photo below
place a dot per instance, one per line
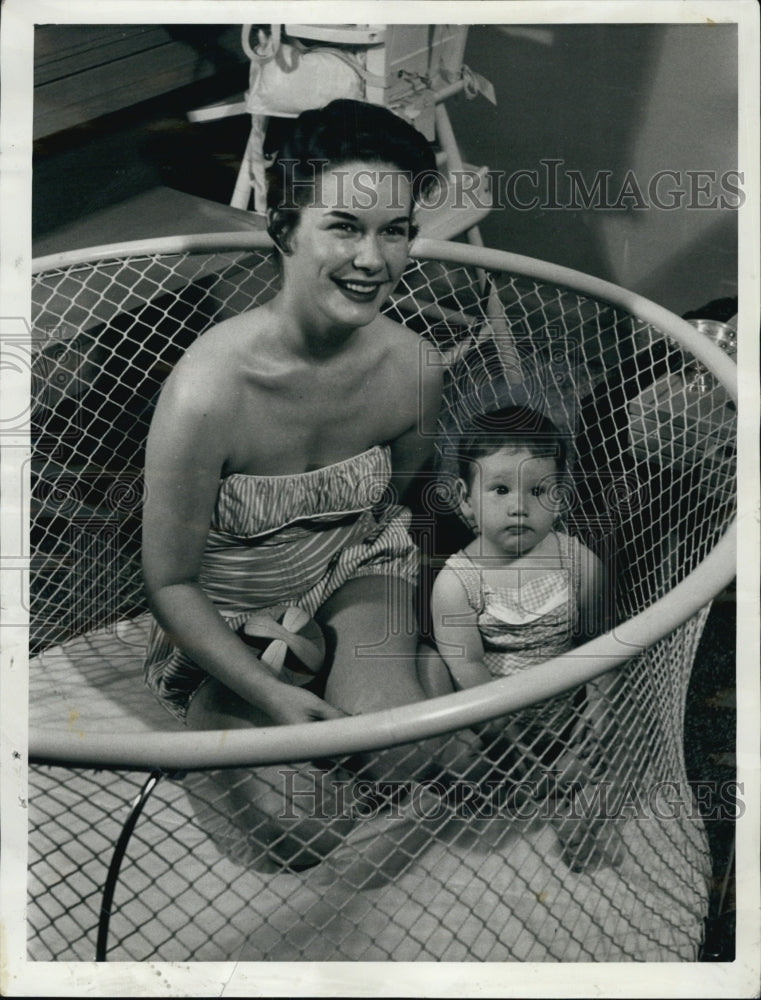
(562, 494)
(462, 492)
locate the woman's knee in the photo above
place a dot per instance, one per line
(369, 616)
(372, 634)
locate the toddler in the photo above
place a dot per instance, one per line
(521, 592)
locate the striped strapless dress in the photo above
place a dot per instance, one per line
(289, 540)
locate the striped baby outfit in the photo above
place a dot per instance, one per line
(528, 623)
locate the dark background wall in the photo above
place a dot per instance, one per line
(614, 98)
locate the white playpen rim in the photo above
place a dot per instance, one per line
(185, 750)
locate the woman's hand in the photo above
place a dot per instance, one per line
(296, 705)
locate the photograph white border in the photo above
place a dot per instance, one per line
(19, 977)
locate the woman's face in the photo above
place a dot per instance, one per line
(350, 245)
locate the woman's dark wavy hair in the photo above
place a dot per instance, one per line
(510, 427)
(342, 132)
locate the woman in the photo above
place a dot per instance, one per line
(271, 443)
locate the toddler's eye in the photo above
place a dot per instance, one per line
(538, 491)
(398, 232)
(501, 490)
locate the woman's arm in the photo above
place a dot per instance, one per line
(184, 461)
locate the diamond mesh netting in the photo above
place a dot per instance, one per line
(558, 839)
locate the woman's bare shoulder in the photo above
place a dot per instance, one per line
(207, 378)
(408, 351)
(216, 352)
(396, 334)
(226, 338)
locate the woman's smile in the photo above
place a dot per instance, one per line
(359, 291)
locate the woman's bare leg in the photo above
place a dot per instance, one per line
(372, 637)
(293, 814)
(372, 631)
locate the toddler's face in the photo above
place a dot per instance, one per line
(513, 501)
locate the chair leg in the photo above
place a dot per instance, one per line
(448, 142)
(719, 944)
(250, 180)
(241, 195)
(116, 862)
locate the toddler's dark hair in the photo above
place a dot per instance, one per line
(341, 132)
(511, 426)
